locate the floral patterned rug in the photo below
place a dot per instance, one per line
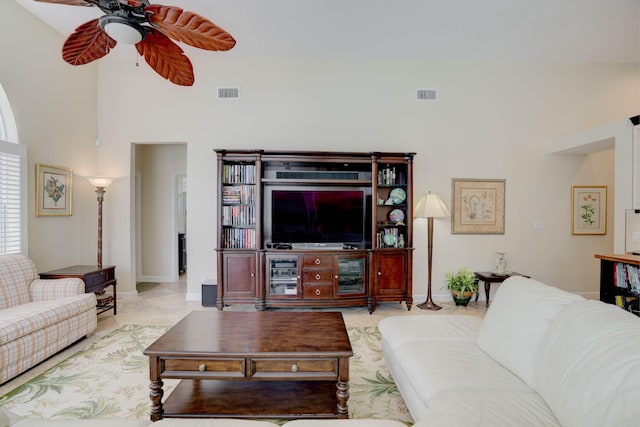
(110, 378)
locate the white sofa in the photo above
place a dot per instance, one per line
(38, 317)
(540, 357)
(8, 419)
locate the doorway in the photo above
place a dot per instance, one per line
(160, 211)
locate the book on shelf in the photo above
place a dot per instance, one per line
(239, 194)
(239, 173)
(627, 276)
(239, 238)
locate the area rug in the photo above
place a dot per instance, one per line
(110, 378)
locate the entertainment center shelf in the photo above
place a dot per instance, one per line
(314, 228)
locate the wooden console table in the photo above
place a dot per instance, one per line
(489, 277)
(95, 278)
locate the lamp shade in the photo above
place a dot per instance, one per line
(430, 206)
(100, 181)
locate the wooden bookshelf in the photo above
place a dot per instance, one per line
(620, 280)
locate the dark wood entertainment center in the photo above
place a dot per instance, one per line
(314, 228)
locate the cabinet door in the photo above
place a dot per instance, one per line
(351, 278)
(391, 270)
(239, 275)
(283, 277)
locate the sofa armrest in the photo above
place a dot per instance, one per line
(48, 289)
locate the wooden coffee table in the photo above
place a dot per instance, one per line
(261, 364)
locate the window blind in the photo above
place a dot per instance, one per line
(13, 178)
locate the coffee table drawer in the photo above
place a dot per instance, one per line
(294, 368)
(203, 368)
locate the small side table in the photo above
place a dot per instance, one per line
(95, 278)
(488, 277)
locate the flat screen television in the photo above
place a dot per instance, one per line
(318, 215)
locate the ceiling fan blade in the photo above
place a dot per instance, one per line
(189, 27)
(67, 2)
(166, 58)
(87, 44)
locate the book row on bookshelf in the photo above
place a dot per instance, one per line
(631, 304)
(239, 238)
(389, 238)
(238, 215)
(627, 276)
(239, 194)
(238, 173)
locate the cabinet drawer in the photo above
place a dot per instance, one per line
(318, 276)
(98, 277)
(317, 291)
(294, 368)
(318, 261)
(199, 367)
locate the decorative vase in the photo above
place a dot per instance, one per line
(461, 299)
(501, 263)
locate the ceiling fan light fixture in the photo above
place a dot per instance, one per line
(122, 29)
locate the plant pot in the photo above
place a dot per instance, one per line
(461, 299)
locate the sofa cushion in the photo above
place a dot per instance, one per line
(211, 422)
(21, 320)
(516, 321)
(370, 422)
(488, 408)
(588, 368)
(436, 366)
(16, 273)
(399, 330)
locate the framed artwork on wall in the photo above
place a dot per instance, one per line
(589, 209)
(53, 190)
(478, 206)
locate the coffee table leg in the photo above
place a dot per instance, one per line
(156, 399)
(343, 396)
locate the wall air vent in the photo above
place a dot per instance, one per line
(228, 93)
(427, 95)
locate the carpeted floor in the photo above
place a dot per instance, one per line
(110, 378)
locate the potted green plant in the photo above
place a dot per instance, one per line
(462, 285)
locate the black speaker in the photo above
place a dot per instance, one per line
(209, 294)
(635, 120)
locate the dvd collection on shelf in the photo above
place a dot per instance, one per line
(239, 195)
(239, 173)
(239, 238)
(239, 215)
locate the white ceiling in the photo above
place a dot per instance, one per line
(451, 30)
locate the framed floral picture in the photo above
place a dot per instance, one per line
(478, 206)
(589, 209)
(53, 190)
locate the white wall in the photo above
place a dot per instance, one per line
(493, 120)
(54, 105)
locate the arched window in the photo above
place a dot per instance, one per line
(13, 183)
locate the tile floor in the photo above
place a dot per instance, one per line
(165, 304)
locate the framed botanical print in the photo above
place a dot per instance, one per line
(589, 209)
(478, 206)
(53, 190)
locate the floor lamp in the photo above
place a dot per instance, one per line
(100, 182)
(430, 206)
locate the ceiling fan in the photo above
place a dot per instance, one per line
(150, 27)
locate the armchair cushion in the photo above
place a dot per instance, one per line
(16, 322)
(16, 273)
(44, 290)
